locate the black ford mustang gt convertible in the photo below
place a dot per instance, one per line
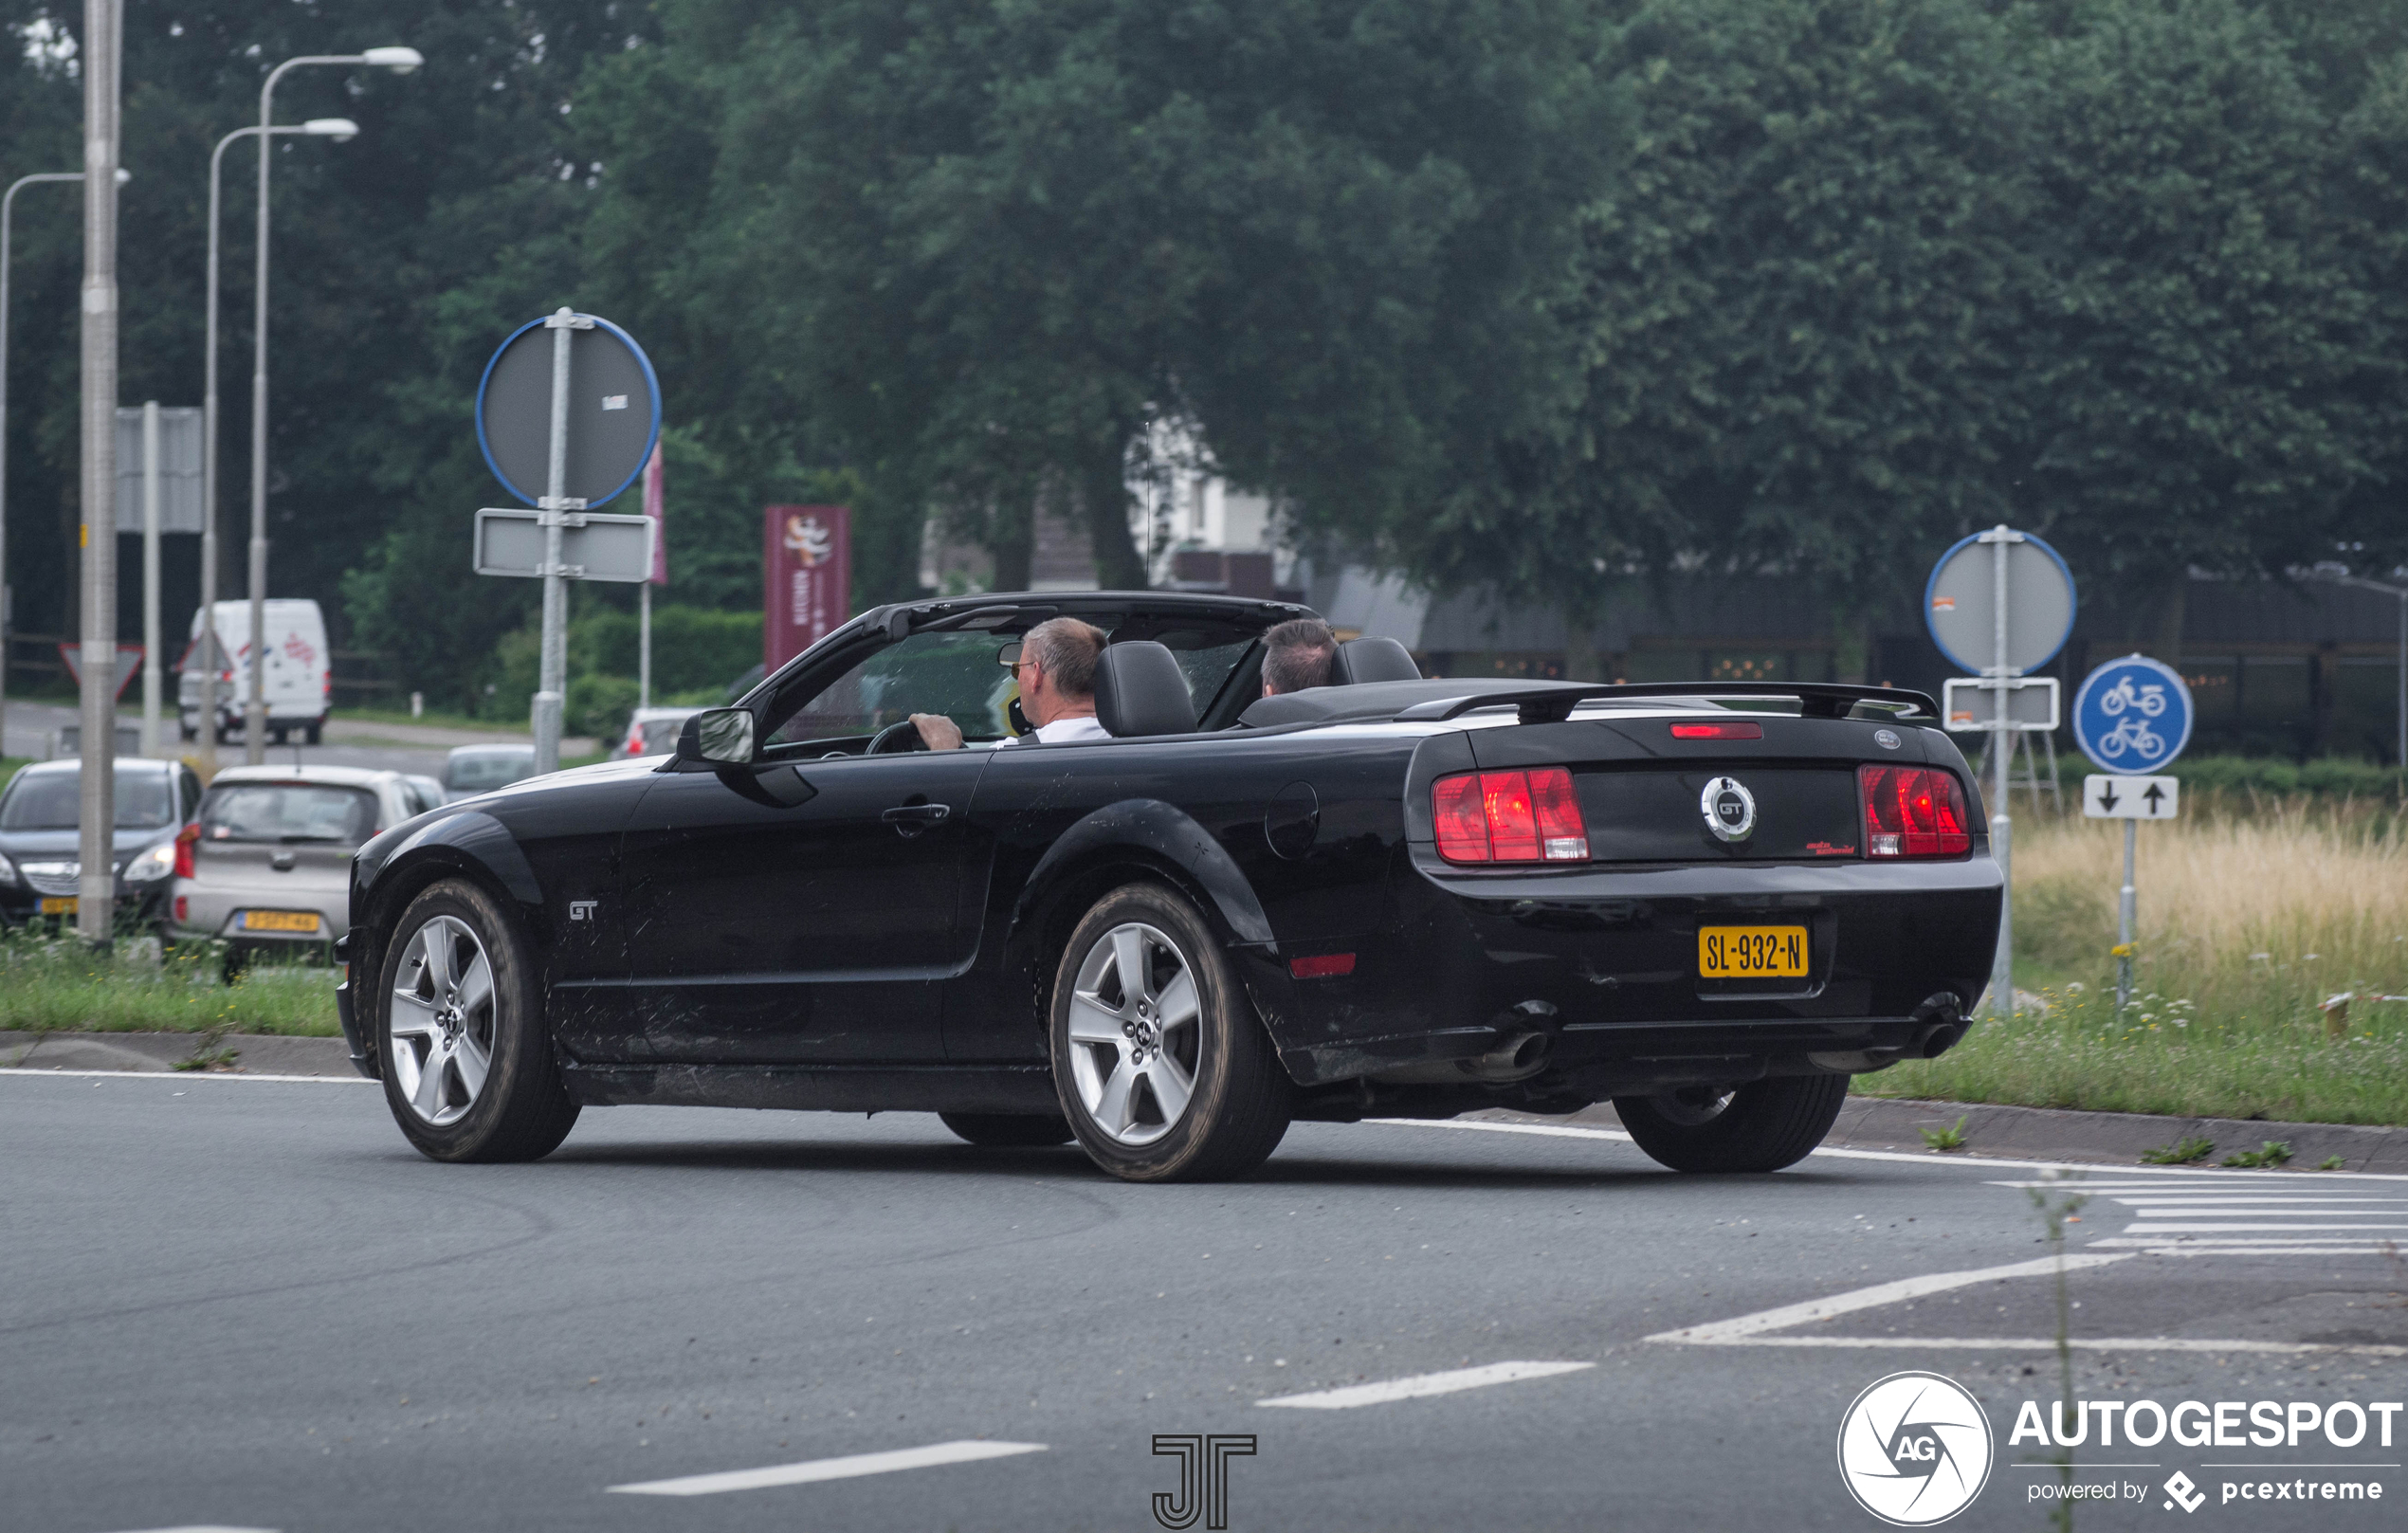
(1386, 897)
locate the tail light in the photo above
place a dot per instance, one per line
(183, 910)
(635, 746)
(1913, 812)
(1509, 818)
(186, 839)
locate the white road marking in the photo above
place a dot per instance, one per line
(209, 1527)
(1422, 1385)
(1748, 1327)
(1925, 1158)
(180, 1076)
(849, 1467)
(2081, 1343)
(2226, 1227)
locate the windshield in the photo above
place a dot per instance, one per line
(52, 801)
(961, 675)
(288, 811)
(478, 769)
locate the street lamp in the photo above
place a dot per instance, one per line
(341, 130)
(400, 61)
(2339, 576)
(7, 211)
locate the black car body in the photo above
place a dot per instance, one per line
(40, 848)
(816, 925)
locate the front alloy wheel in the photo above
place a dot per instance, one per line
(443, 1020)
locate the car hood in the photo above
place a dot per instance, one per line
(49, 845)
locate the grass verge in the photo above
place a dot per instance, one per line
(2250, 924)
(55, 985)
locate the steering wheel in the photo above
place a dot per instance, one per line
(896, 738)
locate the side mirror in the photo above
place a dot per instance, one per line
(721, 736)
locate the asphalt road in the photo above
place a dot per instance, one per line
(247, 1304)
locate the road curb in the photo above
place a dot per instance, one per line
(252, 1053)
(2116, 1139)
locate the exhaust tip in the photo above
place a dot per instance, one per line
(1941, 1039)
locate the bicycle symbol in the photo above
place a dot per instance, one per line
(2150, 700)
(2134, 735)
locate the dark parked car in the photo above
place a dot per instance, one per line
(1383, 896)
(41, 862)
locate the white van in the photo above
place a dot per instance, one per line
(301, 673)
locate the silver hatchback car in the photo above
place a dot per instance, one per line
(268, 864)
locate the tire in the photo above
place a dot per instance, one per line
(314, 732)
(1118, 1057)
(466, 1061)
(276, 735)
(1760, 1126)
(1008, 1130)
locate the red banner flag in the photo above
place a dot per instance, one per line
(807, 571)
(656, 506)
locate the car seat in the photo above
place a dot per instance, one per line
(1374, 659)
(1140, 690)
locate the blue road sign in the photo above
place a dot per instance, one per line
(2132, 716)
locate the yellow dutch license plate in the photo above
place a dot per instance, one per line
(280, 920)
(1751, 951)
(58, 904)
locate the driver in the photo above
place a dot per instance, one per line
(1297, 654)
(1056, 676)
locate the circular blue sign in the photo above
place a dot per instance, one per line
(613, 416)
(2133, 715)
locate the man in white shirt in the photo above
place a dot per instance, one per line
(1055, 672)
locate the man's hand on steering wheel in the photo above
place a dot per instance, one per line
(921, 732)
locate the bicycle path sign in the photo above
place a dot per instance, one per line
(2132, 716)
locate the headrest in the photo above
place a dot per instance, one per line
(1374, 659)
(1140, 690)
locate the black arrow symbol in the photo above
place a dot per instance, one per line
(2106, 796)
(2154, 794)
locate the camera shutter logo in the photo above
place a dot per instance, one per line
(1915, 1449)
(1729, 809)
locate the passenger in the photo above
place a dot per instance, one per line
(1296, 655)
(1056, 675)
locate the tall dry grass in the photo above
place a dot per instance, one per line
(2250, 918)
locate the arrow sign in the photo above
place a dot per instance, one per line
(2132, 799)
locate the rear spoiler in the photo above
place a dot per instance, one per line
(1554, 702)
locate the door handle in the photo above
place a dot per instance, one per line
(910, 819)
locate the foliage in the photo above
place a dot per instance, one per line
(1950, 1138)
(2269, 1156)
(2188, 1150)
(2248, 778)
(56, 983)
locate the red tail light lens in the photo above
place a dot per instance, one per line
(1509, 818)
(1913, 812)
(1743, 730)
(186, 839)
(1322, 966)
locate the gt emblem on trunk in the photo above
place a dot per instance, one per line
(1729, 809)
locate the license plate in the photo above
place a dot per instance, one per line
(280, 920)
(1751, 951)
(58, 904)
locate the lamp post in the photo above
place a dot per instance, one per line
(401, 60)
(8, 210)
(212, 656)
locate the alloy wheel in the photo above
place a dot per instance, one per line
(1135, 1033)
(443, 1020)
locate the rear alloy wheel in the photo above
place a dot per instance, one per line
(466, 1062)
(1008, 1130)
(1760, 1126)
(1164, 1071)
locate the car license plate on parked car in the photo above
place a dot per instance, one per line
(1751, 951)
(58, 904)
(284, 920)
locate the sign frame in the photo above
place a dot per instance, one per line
(574, 526)
(1985, 722)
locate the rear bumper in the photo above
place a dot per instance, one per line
(1603, 967)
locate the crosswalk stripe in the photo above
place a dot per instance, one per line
(2227, 1228)
(848, 1468)
(1421, 1386)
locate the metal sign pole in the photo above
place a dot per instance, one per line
(2001, 823)
(151, 577)
(2127, 906)
(552, 680)
(644, 644)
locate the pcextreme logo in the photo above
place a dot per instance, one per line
(1915, 1449)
